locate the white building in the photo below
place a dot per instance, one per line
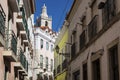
(44, 43)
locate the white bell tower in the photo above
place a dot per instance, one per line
(45, 19)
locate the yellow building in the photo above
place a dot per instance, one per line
(62, 56)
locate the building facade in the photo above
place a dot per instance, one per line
(15, 43)
(44, 44)
(62, 56)
(94, 33)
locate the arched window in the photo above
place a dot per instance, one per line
(41, 61)
(46, 63)
(51, 48)
(51, 64)
(46, 23)
(47, 46)
(41, 42)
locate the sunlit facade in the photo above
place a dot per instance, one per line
(44, 45)
(15, 44)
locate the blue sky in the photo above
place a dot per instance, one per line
(55, 8)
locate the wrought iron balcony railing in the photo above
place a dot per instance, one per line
(25, 24)
(11, 41)
(23, 60)
(2, 21)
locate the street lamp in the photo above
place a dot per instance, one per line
(64, 54)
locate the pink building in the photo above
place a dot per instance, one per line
(14, 38)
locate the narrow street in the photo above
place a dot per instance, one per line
(59, 40)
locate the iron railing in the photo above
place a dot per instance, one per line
(25, 24)
(11, 41)
(23, 60)
(2, 21)
(14, 43)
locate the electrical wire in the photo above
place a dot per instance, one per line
(64, 10)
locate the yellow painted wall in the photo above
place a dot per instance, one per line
(58, 57)
(61, 76)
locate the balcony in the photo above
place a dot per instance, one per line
(19, 21)
(26, 42)
(14, 5)
(22, 25)
(11, 47)
(92, 27)
(2, 26)
(23, 35)
(73, 50)
(22, 63)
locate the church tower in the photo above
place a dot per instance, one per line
(44, 38)
(44, 20)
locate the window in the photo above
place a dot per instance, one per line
(51, 64)
(41, 61)
(113, 63)
(64, 64)
(85, 77)
(92, 27)
(46, 63)
(47, 46)
(41, 41)
(94, 8)
(96, 69)
(82, 39)
(76, 75)
(109, 11)
(2, 21)
(73, 50)
(83, 20)
(58, 69)
(46, 23)
(51, 48)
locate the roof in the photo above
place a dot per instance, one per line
(44, 28)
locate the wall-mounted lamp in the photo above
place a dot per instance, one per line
(64, 54)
